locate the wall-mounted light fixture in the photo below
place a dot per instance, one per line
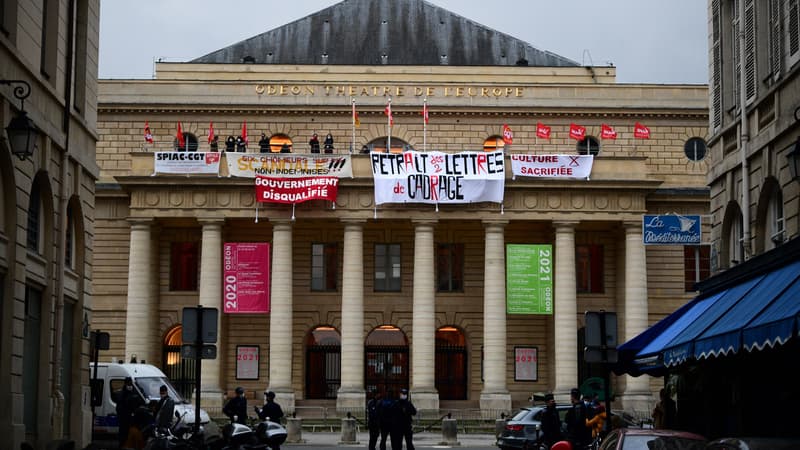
(21, 131)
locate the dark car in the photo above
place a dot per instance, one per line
(754, 443)
(650, 439)
(523, 431)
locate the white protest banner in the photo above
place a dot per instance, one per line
(296, 190)
(552, 166)
(186, 163)
(246, 165)
(437, 177)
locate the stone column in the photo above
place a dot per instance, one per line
(210, 296)
(141, 318)
(351, 395)
(495, 395)
(423, 325)
(280, 316)
(565, 312)
(637, 395)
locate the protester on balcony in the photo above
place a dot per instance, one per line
(314, 143)
(329, 143)
(263, 144)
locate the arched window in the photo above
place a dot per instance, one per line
(588, 146)
(733, 247)
(451, 364)
(323, 363)
(179, 371)
(386, 360)
(189, 140)
(380, 144)
(493, 143)
(278, 141)
(69, 241)
(35, 219)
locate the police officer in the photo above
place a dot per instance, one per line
(405, 412)
(236, 408)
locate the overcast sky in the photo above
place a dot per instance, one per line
(649, 41)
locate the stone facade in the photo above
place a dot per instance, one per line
(47, 221)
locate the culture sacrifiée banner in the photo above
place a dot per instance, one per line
(552, 166)
(249, 165)
(529, 279)
(437, 177)
(296, 190)
(186, 163)
(246, 283)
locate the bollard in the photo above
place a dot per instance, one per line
(449, 432)
(294, 430)
(499, 426)
(348, 431)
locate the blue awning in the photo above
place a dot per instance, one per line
(761, 311)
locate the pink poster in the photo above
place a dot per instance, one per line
(245, 286)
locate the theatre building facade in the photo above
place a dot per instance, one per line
(448, 240)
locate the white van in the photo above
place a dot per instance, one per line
(147, 380)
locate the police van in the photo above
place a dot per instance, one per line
(147, 380)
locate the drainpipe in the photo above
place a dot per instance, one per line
(744, 138)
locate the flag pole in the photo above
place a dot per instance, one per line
(389, 126)
(353, 119)
(424, 124)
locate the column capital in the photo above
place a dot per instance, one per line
(141, 221)
(494, 223)
(211, 221)
(565, 224)
(632, 225)
(352, 221)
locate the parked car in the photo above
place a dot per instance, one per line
(754, 443)
(650, 439)
(524, 429)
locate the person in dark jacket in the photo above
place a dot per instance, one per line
(236, 408)
(270, 411)
(373, 420)
(405, 411)
(551, 422)
(165, 409)
(128, 401)
(313, 143)
(578, 434)
(329, 143)
(386, 418)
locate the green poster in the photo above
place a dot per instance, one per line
(529, 279)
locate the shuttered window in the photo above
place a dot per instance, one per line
(750, 50)
(775, 38)
(793, 30)
(716, 68)
(736, 56)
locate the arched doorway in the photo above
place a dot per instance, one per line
(386, 360)
(381, 144)
(323, 363)
(179, 371)
(451, 364)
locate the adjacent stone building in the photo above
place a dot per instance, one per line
(385, 296)
(48, 72)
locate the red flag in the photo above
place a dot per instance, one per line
(356, 121)
(640, 131)
(179, 136)
(388, 112)
(425, 112)
(508, 135)
(606, 132)
(244, 132)
(210, 132)
(542, 131)
(577, 132)
(148, 136)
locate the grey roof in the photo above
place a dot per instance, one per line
(396, 32)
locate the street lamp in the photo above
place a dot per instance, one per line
(21, 131)
(794, 160)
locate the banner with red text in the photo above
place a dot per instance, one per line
(552, 166)
(248, 165)
(295, 190)
(245, 287)
(436, 177)
(186, 163)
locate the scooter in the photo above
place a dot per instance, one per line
(270, 433)
(238, 436)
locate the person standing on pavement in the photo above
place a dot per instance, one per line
(165, 408)
(386, 418)
(373, 421)
(665, 411)
(578, 434)
(236, 408)
(551, 422)
(128, 400)
(270, 411)
(405, 411)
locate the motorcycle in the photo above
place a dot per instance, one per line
(270, 433)
(237, 436)
(178, 436)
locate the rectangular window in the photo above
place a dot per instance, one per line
(589, 269)
(387, 267)
(183, 266)
(81, 55)
(30, 359)
(716, 64)
(324, 273)
(49, 43)
(8, 19)
(450, 267)
(696, 265)
(34, 232)
(793, 30)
